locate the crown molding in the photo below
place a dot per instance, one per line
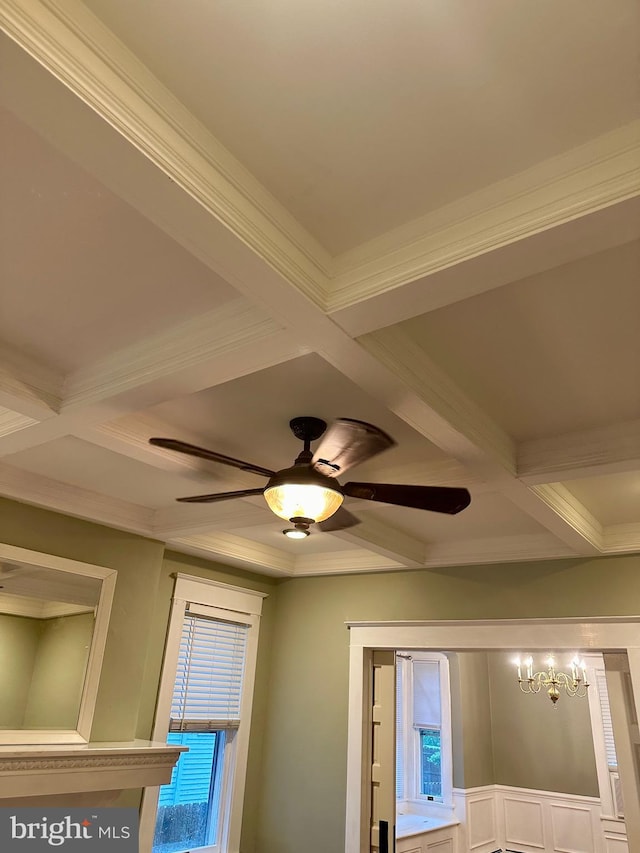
(386, 541)
(11, 421)
(198, 340)
(526, 547)
(187, 520)
(622, 538)
(343, 562)
(575, 514)
(29, 488)
(584, 453)
(74, 45)
(603, 172)
(236, 551)
(28, 387)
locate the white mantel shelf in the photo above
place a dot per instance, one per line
(38, 770)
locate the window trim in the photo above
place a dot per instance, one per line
(412, 786)
(209, 598)
(595, 666)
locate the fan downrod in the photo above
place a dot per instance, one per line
(307, 429)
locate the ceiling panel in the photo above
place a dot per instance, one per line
(550, 354)
(249, 417)
(488, 515)
(614, 499)
(80, 463)
(360, 116)
(83, 272)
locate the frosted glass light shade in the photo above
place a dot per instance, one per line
(302, 500)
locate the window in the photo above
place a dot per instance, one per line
(204, 705)
(603, 742)
(423, 731)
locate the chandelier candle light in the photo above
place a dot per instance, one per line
(552, 680)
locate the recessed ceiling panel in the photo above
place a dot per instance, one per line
(550, 354)
(361, 116)
(614, 499)
(488, 515)
(249, 417)
(83, 273)
(80, 463)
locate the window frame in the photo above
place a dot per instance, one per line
(604, 770)
(412, 794)
(215, 599)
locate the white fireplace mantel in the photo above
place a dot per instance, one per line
(41, 770)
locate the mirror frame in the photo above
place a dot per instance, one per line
(82, 731)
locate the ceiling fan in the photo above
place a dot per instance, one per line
(308, 492)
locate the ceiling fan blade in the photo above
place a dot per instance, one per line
(347, 443)
(220, 496)
(212, 456)
(340, 520)
(433, 498)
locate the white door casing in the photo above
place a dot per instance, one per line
(589, 634)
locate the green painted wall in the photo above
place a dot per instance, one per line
(305, 734)
(137, 629)
(296, 777)
(58, 672)
(471, 720)
(19, 638)
(536, 744)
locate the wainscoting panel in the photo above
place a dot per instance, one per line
(523, 822)
(481, 822)
(502, 819)
(445, 846)
(572, 828)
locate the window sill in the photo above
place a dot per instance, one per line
(37, 770)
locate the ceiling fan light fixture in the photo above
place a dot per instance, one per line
(296, 533)
(301, 492)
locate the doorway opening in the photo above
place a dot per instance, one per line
(618, 639)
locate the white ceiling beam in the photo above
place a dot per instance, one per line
(236, 551)
(248, 244)
(27, 388)
(339, 562)
(622, 538)
(578, 203)
(76, 47)
(30, 488)
(585, 453)
(200, 353)
(568, 515)
(429, 384)
(498, 549)
(190, 520)
(385, 540)
(399, 269)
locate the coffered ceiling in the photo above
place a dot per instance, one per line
(426, 215)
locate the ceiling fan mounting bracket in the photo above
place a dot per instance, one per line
(307, 428)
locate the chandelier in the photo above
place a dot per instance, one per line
(553, 680)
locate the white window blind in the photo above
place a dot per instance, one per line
(426, 694)
(607, 725)
(208, 686)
